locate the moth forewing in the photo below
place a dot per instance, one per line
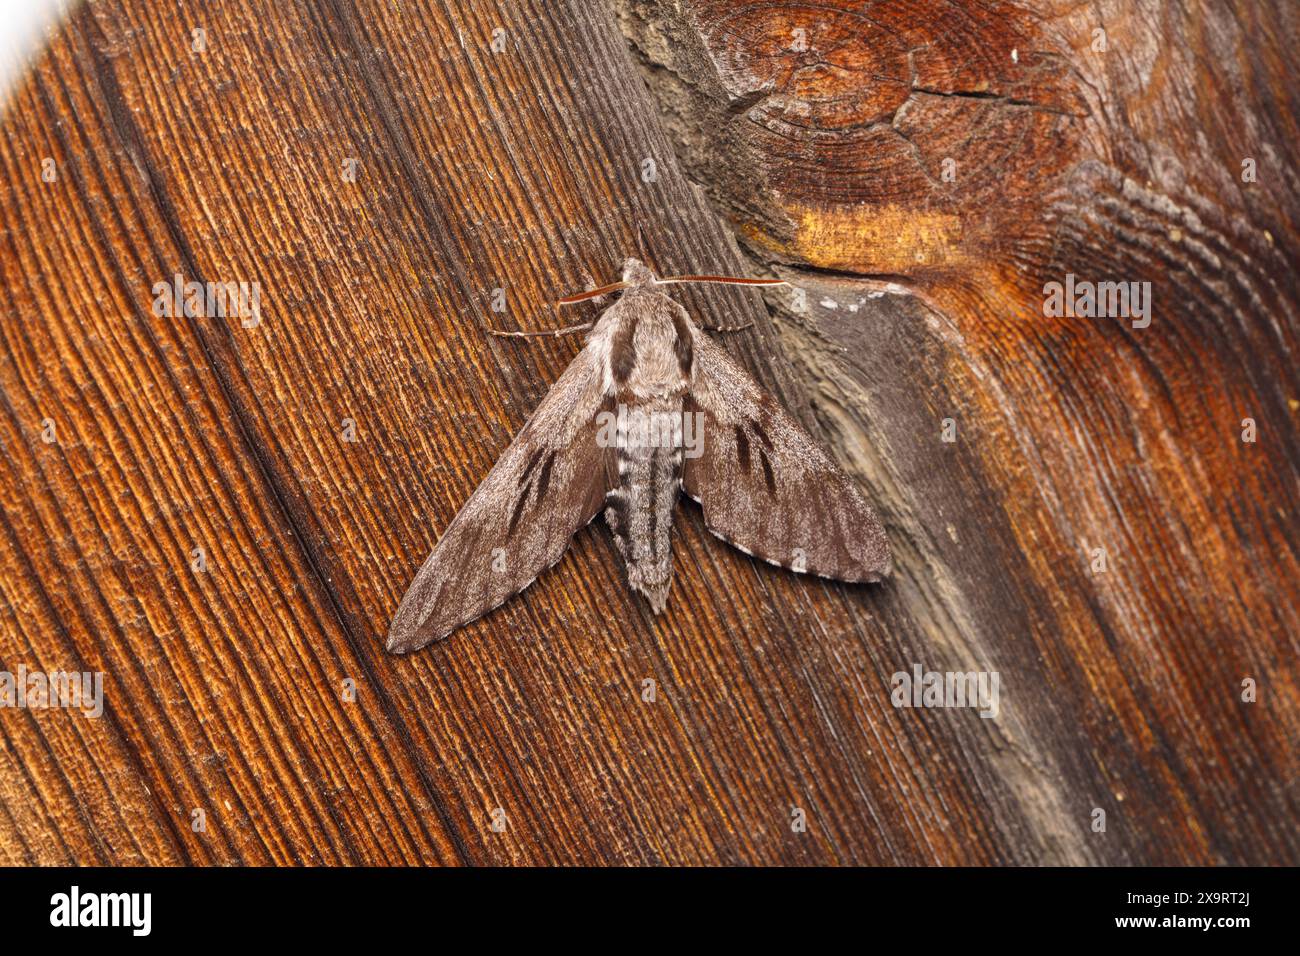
(549, 483)
(767, 487)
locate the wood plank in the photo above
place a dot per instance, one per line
(1107, 141)
(222, 689)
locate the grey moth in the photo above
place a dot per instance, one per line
(650, 407)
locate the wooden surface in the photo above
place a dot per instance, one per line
(523, 170)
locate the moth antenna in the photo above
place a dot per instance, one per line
(552, 333)
(591, 293)
(722, 280)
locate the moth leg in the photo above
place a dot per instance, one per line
(728, 328)
(554, 333)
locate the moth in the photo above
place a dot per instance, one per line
(650, 407)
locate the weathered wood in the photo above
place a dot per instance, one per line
(522, 170)
(1110, 141)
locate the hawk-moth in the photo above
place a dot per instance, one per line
(651, 406)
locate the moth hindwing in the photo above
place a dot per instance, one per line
(650, 406)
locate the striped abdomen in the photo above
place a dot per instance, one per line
(639, 510)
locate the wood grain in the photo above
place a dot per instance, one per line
(524, 170)
(1103, 140)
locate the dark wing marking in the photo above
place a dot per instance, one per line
(549, 483)
(765, 485)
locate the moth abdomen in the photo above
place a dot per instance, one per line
(640, 509)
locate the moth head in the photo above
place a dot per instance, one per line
(636, 272)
